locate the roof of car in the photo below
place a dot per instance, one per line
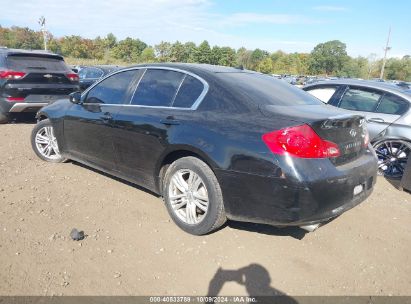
(193, 67)
(105, 67)
(7, 51)
(388, 87)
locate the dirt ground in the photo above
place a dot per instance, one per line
(133, 248)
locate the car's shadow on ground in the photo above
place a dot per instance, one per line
(23, 118)
(294, 232)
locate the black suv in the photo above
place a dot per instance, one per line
(30, 80)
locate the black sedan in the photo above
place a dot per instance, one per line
(217, 143)
(90, 74)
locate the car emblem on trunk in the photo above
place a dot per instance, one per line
(353, 133)
(48, 75)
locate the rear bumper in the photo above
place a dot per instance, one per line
(27, 107)
(310, 192)
(31, 104)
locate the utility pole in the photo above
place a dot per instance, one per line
(42, 22)
(386, 49)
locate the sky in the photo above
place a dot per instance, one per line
(271, 25)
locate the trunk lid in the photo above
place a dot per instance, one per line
(345, 130)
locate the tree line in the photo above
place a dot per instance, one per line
(328, 58)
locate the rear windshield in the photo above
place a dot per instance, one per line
(266, 90)
(35, 63)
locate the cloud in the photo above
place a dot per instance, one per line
(240, 19)
(150, 20)
(330, 8)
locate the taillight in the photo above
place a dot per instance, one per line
(15, 99)
(72, 77)
(11, 75)
(300, 141)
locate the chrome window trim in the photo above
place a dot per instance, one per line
(137, 84)
(194, 106)
(178, 90)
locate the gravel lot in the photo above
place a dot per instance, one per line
(133, 248)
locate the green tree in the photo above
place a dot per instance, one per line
(128, 49)
(227, 57)
(74, 46)
(203, 53)
(256, 57)
(244, 58)
(178, 52)
(163, 51)
(328, 57)
(148, 55)
(265, 66)
(190, 50)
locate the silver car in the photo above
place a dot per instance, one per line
(387, 110)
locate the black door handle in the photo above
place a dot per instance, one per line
(170, 121)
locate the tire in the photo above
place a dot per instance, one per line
(3, 118)
(392, 157)
(202, 196)
(44, 143)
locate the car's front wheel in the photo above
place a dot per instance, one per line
(193, 196)
(44, 142)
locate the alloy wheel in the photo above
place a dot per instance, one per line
(188, 196)
(46, 143)
(392, 157)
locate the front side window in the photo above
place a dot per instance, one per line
(360, 100)
(391, 104)
(113, 90)
(157, 88)
(323, 93)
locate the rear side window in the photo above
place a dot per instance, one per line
(157, 88)
(189, 91)
(323, 93)
(113, 90)
(266, 90)
(360, 100)
(35, 63)
(391, 104)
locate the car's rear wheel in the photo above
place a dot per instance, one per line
(44, 142)
(392, 157)
(193, 196)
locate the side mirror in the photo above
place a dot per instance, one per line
(75, 97)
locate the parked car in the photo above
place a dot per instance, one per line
(387, 109)
(216, 143)
(90, 74)
(30, 80)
